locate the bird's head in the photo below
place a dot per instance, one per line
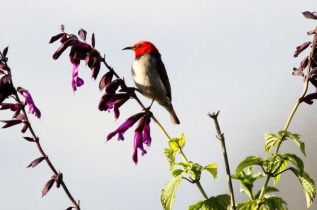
(142, 47)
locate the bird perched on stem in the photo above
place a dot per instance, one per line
(150, 76)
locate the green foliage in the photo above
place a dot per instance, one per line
(308, 185)
(168, 192)
(177, 143)
(296, 161)
(196, 206)
(247, 180)
(267, 203)
(272, 164)
(295, 137)
(212, 169)
(270, 141)
(221, 202)
(170, 155)
(282, 166)
(177, 172)
(249, 161)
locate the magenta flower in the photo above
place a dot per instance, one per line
(125, 126)
(115, 101)
(29, 101)
(76, 80)
(141, 136)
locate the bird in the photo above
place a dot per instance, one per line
(150, 76)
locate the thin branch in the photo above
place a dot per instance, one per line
(37, 141)
(221, 137)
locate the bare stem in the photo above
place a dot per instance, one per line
(221, 137)
(37, 141)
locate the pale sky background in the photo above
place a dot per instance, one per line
(232, 56)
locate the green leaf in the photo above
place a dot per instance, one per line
(196, 206)
(296, 161)
(177, 143)
(195, 170)
(268, 203)
(181, 141)
(273, 163)
(168, 192)
(212, 169)
(279, 170)
(308, 185)
(247, 180)
(221, 202)
(170, 155)
(296, 138)
(272, 203)
(270, 141)
(173, 143)
(268, 189)
(177, 172)
(252, 160)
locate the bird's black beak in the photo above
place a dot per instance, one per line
(128, 48)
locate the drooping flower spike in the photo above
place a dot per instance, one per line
(125, 126)
(76, 80)
(29, 101)
(141, 136)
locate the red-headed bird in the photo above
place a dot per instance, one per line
(150, 76)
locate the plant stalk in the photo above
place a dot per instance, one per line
(221, 137)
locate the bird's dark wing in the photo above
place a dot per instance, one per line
(163, 75)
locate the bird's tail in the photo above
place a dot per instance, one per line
(174, 117)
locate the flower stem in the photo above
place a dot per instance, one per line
(221, 137)
(37, 141)
(294, 109)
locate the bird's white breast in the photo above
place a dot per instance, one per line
(147, 78)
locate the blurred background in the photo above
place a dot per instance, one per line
(232, 56)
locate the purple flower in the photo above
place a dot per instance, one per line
(115, 101)
(29, 101)
(76, 81)
(125, 126)
(141, 136)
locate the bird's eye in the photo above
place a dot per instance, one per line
(138, 46)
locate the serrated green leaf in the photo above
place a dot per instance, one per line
(272, 203)
(195, 170)
(196, 206)
(247, 205)
(252, 160)
(295, 137)
(273, 163)
(177, 172)
(268, 203)
(308, 185)
(212, 169)
(289, 135)
(168, 192)
(247, 180)
(280, 169)
(296, 161)
(173, 143)
(309, 188)
(268, 189)
(270, 141)
(301, 145)
(221, 202)
(181, 140)
(170, 155)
